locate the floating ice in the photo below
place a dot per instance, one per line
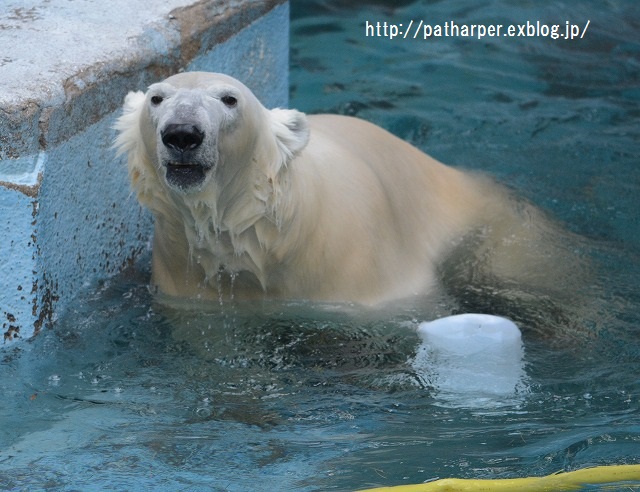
(471, 360)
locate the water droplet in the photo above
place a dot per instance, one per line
(203, 412)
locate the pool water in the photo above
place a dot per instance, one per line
(125, 393)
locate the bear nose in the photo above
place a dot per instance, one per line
(182, 137)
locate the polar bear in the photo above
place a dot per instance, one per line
(250, 202)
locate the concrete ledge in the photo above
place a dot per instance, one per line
(66, 211)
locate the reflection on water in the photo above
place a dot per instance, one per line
(300, 397)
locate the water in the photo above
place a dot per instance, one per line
(127, 394)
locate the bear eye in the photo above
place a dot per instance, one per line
(155, 100)
(229, 101)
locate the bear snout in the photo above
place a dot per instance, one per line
(186, 161)
(182, 137)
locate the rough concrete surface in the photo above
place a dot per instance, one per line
(67, 216)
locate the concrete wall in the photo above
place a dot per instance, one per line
(67, 216)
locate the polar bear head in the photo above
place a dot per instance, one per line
(196, 128)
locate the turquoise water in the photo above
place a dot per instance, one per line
(125, 394)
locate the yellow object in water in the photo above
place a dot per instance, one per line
(574, 480)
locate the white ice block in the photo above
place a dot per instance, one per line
(471, 359)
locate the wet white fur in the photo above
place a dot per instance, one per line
(317, 207)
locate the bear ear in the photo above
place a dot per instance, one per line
(291, 130)
(127, 125)
(133, 101)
